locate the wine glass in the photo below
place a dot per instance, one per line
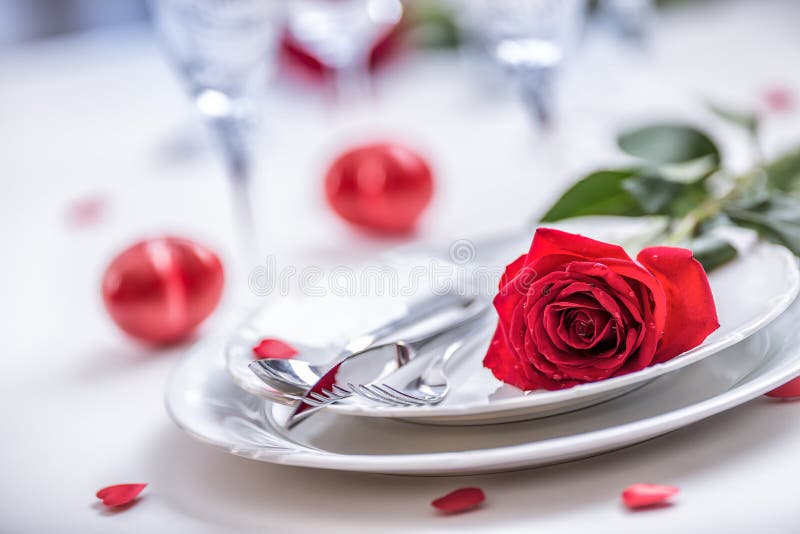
(341, 34)
(221, 49)
(529, 38)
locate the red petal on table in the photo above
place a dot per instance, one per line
(642, 495)
(778, 99)
(459, 500)
(87, 211)
(273, 348)
(789, 390)
(120, 494)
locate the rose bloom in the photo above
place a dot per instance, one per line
(575, 310)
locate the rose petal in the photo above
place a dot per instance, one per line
(548, 241)
(459, 500)
(511, 270)
(575, 364)
(653, 326)
(778, 99)
(119, 494)
(651, 293)
(620, 287)
(642, 495)
(273, 348)
(513, 288)
(87, 211)
(503, 364)
(691, 313)
(789, 390)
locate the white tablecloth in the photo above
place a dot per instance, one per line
(100, 115)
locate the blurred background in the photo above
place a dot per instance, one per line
(25, 20)
(224, 120)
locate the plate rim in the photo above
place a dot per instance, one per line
(507, 457)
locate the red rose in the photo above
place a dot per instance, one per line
(575, 310)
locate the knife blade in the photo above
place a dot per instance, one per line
(362, 367)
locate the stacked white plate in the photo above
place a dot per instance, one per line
(755, 350)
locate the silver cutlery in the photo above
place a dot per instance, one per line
(367, 372)
(427, 389)
(290, 377)
(407, 386)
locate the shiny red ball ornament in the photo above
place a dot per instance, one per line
(380, 187)
(159, 290)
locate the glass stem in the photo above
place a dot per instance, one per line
(234, 147)
(633, 18)
(536, 88)
(353, 80)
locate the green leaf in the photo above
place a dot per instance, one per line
(653, 194)
(784, 173)
(657, 196)
(433, 25)
(691, 171)
(599, 193)
(712, 251)
(691, 197)
(748, 121)
(670, 144)
(776, 218)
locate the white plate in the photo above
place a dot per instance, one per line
(749, 293)
(202, 399)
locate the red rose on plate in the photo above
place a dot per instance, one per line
(575, 310)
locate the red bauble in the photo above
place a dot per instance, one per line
(381, 187)
(159, 290)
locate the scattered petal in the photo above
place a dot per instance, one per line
(120, 494)
(789, 390)
(273, 348)
(459, 500)
(87, 211)
(644, 495)
(778, 99)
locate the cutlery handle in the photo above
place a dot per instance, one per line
(481, 316)
(416, 311)
(486, 251)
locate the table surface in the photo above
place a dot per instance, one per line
(99, 116)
